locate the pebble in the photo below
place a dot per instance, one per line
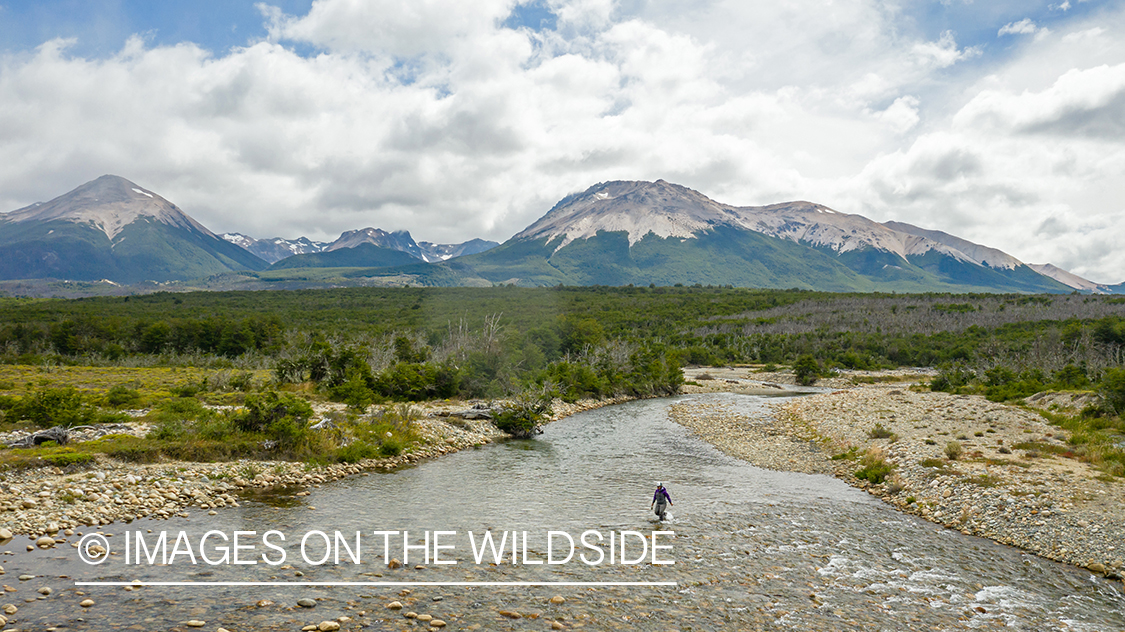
(86, 603)
(306, 603)
(45, 542)
(558, 599)
(45, 590)
(437, 623)
(394, 605)
(328, 626)
(195, 623)
(10, 609)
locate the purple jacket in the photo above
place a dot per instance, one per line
(661, 491)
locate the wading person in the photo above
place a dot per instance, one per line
(661, 500)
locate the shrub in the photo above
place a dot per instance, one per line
(121, 396)
(61, 407)
(521, 418)
(270, 407)
(806, 370)
(875, 467)
(953, 450)
(1112, 390)
(951, 378)
(355, 393)
(879, 432)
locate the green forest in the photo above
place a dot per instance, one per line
(362, 346)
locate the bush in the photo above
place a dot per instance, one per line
(951, 378)
(521, 418)
(953, 450)
(270, 407)
(412, 382)
(879, 432)
(875, 467)
(806, 369)
(1112, 390)
(121, 396)
(61, 407)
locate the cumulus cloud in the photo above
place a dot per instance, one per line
(902, 115)
(435, 117)
(944, 52)
(1023, 27)
(1089, 102)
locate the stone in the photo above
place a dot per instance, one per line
(394, 563)
(45, 542)
(555, 625)
(411, 615)
(10, 609)
(46, 590)
(24, 578)
(437, 623)
(262, 603)
(558, 599)
(394, 605)
(511, 614)
(5, 534)
(195, 623)
(306, 603)
(425, 617)
(309, 628)
(328, 626)
(1097, 568)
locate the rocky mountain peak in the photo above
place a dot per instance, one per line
(109, 203)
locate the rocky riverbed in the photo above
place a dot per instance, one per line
(1011, 482)
(754, 550)
(45, 503)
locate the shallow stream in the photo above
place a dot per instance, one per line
(753, 549)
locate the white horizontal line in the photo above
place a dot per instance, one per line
(137, 583)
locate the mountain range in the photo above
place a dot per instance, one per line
(614, 233)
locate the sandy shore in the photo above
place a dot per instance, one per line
(1056, 507)
(48, 503)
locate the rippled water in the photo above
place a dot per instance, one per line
(754, 548)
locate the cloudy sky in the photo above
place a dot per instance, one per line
(1001, 121)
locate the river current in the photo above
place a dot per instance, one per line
(753, 549)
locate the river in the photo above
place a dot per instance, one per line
(753, 549)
